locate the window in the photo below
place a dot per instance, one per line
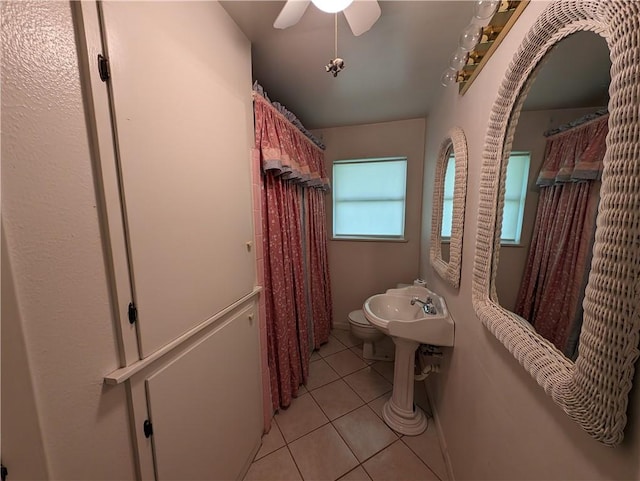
(369, 198)
(447, 198)
(514, 197)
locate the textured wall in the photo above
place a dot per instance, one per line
(50, 221)
(498, 423)
(360, 269)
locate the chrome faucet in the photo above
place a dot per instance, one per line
(427, 305)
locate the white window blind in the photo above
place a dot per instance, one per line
(369, 198)
(447, 198)
(515, 196)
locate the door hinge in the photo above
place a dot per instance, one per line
(103, 68)
(147, 427)
(133, 313)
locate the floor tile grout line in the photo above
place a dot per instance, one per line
(348, 375)
(420, 458)
(360, 463)
(369, 457)
(330, 421)
(366, 403)
(294, 462)
(349, 386)
(341, 377)
(344, 414)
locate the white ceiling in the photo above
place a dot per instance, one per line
(392, 71)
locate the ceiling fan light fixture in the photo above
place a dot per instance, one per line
(332, 6)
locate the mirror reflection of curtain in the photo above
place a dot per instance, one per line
(550, 296)
(296, 269)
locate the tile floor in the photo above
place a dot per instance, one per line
(334, 428)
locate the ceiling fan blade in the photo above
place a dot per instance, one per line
(291, 13)
(361, 15)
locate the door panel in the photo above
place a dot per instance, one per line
(205, 406)
(181, 83)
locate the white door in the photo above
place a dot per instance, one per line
(181, 85)
(205, 406)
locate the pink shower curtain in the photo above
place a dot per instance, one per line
(551, 291)
(319, 271)
(296, 270)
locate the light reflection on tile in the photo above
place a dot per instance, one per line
(364, 432)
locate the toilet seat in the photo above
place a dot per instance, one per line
(373, 346)
(358, 318)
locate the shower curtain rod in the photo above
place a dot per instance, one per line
(290, 116)
(585, 119)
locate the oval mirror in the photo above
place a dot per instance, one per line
(449, 193)
(593, 388)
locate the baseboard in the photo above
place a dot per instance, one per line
(439, 431)
(341, 325)
(252, 455)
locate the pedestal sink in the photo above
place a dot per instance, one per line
(409, 326)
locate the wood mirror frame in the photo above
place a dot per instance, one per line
(449, 271)
(594, 390)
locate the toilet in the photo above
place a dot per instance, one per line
(377, 346)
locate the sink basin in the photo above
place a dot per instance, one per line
(393, 314)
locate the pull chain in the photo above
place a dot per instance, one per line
(336, 35)
(336, 64)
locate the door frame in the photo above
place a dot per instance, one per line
(103, 141)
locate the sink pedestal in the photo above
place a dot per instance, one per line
(399, 412)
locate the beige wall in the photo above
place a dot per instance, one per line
(61, 318)
(498, 423)
(360, 269)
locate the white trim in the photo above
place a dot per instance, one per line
(107, 179)
(449, 271)
(121, 375)
(138, 395)
(441, 439)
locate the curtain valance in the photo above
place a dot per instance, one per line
(575, 154)
(285, 150)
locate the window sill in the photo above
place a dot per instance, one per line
(371, 239)
(511, 244)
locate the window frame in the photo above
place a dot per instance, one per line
(370, 237)
(517, 241)
(451, 162)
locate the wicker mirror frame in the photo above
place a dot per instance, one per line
(594, 390)
(449, 271)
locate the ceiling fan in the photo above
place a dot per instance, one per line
(360, 14)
